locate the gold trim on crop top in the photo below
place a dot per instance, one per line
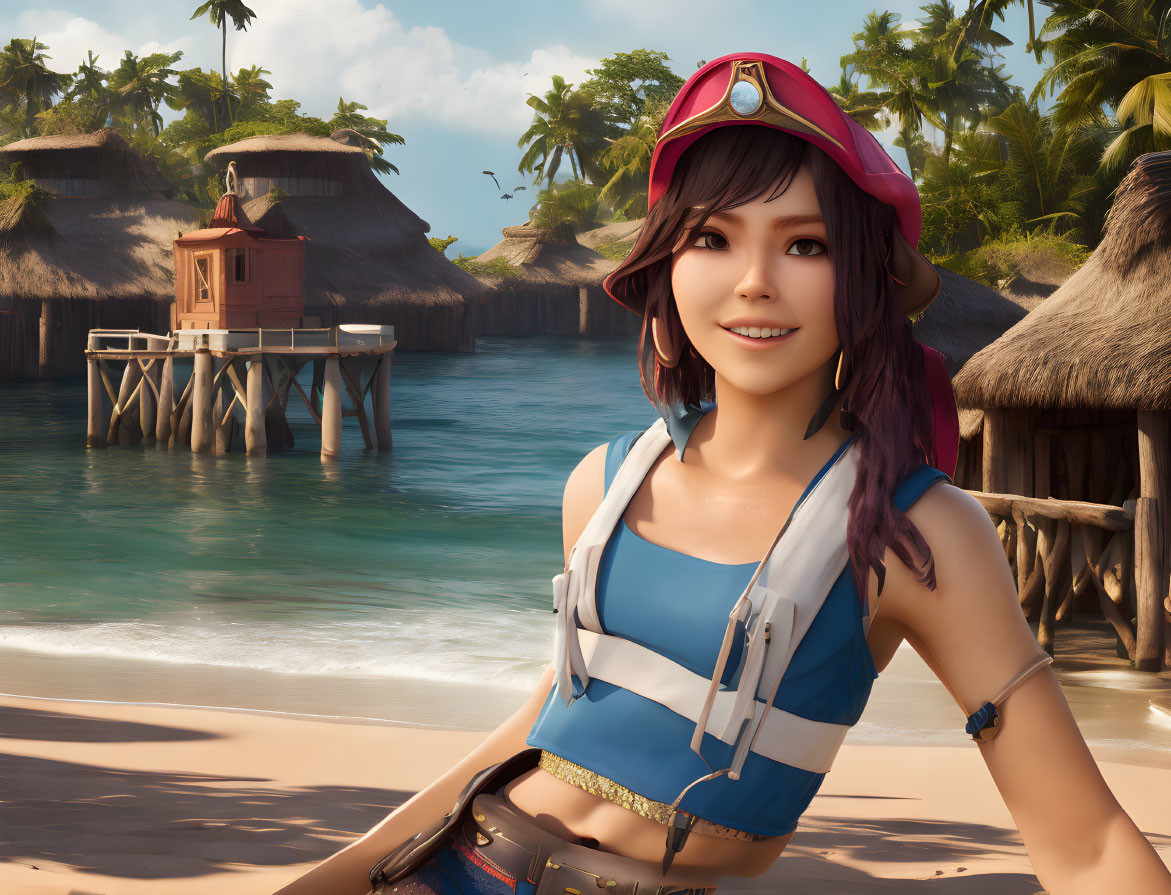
(595, 783)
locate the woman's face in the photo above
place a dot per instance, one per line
(758, 268)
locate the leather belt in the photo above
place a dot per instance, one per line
(510, 846)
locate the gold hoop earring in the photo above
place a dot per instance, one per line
(838, 384)
(666, 353)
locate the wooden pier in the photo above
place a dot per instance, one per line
(237, 393)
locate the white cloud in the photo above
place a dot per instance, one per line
(365, 54)
(68, 37)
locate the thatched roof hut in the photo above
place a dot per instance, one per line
(1086, 376)
(97, 164)
(94, 253)
(625, 232)
(368, 259)
(558, 290)
(965, 317)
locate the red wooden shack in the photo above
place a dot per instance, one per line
(232, 276)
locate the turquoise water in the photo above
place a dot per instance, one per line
(430, 563)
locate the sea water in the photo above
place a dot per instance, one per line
(430, 563)
(412, 586)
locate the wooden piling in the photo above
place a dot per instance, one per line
(123, 429)
(255, 440)
(331, 410)
(166, 402)
(381, 401)
(583, 310)
(201, 400)
(94, 437)
(147, 419)
(1150, 535)
(221, 427)
(277, 433)
(46, 333)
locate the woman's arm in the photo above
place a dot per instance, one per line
(346, 871)
(972, 633)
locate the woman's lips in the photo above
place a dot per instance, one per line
(749, 342)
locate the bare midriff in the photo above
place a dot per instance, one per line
(572, 813)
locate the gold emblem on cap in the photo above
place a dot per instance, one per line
(755, 102)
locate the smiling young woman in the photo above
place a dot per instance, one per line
(698, 692)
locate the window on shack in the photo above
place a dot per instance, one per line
(238, 265)
(203, 278)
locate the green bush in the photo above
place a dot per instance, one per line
(997, 262)
(614, 251)
(440, 245)
(497, 267)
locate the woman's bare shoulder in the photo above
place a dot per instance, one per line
(970, 628)
(583, 494)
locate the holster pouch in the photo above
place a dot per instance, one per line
(413, 853)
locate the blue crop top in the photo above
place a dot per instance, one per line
(677, 605)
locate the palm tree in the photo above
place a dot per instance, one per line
(961, 88)
(567, 208)
(982, 11)
(201, 92)
(251, 88)
(218, 12)
(565, 123)
(865, 107)
(900, 66)
(628, 161)
(89, 80)
(372, 129)
(1144, 117)
(1114, 53)
(142, 84)
(26, 83)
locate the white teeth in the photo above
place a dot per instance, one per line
(756, 332)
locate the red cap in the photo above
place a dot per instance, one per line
(759, 89)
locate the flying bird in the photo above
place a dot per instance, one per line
(515, 188)
(493, 176)
(506, 196)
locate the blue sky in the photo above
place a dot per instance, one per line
(452, 77)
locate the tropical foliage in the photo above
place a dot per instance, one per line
(216, 108)
(993, 168)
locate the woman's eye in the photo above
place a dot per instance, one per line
(807, 247)
(704, 236)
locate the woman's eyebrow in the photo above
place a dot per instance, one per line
(790, 220)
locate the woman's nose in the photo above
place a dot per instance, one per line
(759, 282)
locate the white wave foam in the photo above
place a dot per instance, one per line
(505, 649)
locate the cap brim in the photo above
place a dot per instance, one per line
(919, 280)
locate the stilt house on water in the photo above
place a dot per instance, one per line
(367, 258)
(1076, 402)
(559, 289)
(96, 253)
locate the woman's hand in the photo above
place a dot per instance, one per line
(973, 635)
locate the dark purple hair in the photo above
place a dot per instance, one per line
(887, 390)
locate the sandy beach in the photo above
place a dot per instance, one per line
(117, 799)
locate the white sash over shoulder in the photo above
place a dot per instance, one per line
(776, 609)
